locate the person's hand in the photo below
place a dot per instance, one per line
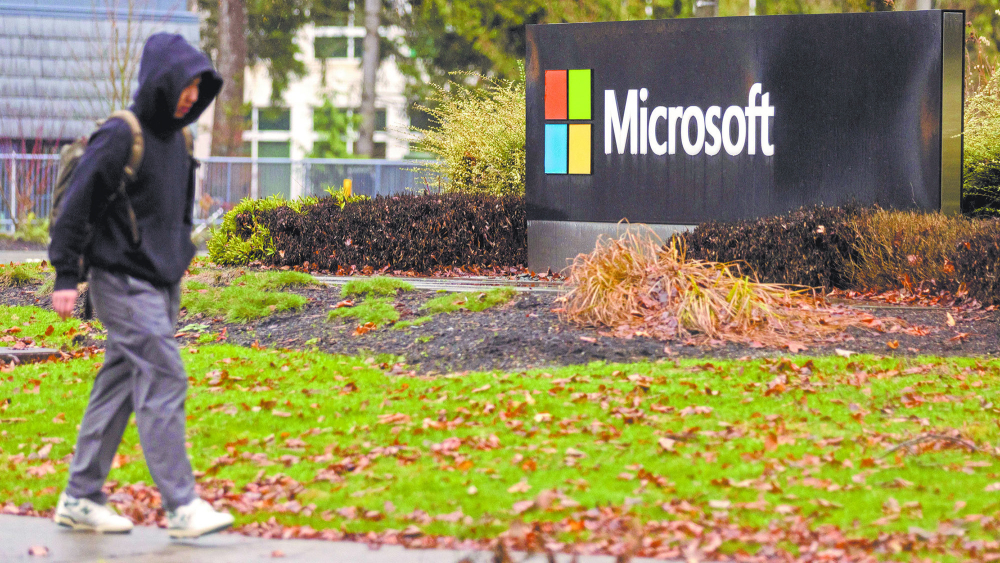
(63, 301)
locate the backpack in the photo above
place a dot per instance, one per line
(69, 159)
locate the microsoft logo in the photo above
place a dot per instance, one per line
(567, 99)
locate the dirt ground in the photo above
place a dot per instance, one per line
(527, 333)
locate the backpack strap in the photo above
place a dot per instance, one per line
(131, 167)
(188, 140)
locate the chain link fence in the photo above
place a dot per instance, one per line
(27, 181)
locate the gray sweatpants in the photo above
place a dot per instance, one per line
(143, 373)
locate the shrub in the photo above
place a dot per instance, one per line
(241, 239)
(906, 248)
(981, 179)
(805, 247)
(479, 137)
(977, 261)
(407, 232)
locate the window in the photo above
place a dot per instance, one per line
(274, 119)
(274, 149)
(330, 47)
(359, 47)
(378, 151)
(380, 118)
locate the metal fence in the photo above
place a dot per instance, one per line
(26, 182)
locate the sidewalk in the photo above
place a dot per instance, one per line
(151, 545)
(18, 256)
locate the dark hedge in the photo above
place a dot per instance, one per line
(805, 247)
(977, 263)
(421, 233)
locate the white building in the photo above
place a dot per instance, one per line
(332, 57)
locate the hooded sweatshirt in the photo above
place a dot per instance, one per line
(162, 194)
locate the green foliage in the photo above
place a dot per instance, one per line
(270, 31)
(241, 239)
(250, 296)
(44, 328)
(246, 297)
(705, 437)
(16, 275)
(378, 285)
(470, 301)
(479, 137)
(31, 228)
(332, 125)
(375, 310)
(342, 198)
(981, 180)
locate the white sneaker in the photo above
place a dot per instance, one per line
(85, 514)
(195, 519)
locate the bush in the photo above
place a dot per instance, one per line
(977, 261)
(241, 239)
(479, 137)
(906, 248)
(981, 179)
(804, 247)
(408, 232)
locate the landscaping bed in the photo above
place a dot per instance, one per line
(527, 332)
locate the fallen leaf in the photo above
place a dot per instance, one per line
(521, 487)
(523, 506)
(951, 319)
(38, 551)
(844, 353)
(667, 444)
(892, 344)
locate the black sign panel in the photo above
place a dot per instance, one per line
(684, 121)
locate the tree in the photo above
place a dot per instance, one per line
(369, 71)
(238, 33)
(231, 61)
(332, 125)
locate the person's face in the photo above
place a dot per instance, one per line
(188, 98)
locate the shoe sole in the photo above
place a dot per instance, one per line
(67, 522)
(188, 534)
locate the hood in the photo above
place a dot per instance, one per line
(169, 63)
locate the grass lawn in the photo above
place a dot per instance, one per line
(762, 448)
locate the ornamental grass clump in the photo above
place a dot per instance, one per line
(478, 138)
(639, 286)
(895, 249)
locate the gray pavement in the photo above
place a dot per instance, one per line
(18, 534)
(18, 256)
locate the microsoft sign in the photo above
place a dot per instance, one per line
(676, 122)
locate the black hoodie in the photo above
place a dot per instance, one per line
(163, 192)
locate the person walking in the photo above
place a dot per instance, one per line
(135, 289)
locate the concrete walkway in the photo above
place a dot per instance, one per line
(19, 256)
(18, 534)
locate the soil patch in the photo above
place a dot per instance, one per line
(526, 333)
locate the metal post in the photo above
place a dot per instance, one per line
(13, 191)
(306, 185)
(229, 183)
(378, 180)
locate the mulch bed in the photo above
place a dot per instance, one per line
(527, 333)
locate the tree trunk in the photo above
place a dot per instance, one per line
(369, 70)
(227, 136)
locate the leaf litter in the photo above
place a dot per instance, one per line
(774, 459)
